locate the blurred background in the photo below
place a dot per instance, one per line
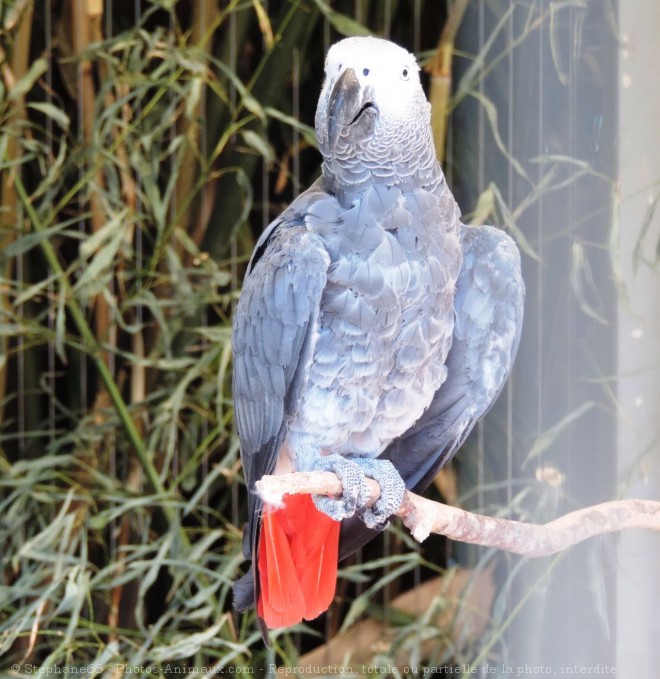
(144, 147)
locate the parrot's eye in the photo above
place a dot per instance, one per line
(405, 74)
(365, 71)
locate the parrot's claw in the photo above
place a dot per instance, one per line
(392, 490)
(355, 492)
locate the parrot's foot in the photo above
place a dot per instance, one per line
(355, 493)
(392, 490)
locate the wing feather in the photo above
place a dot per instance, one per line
(278, 308)
(273, 339)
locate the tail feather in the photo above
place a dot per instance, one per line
(281, 602)
(319, 582)
(297, 563)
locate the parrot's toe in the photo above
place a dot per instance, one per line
(392, 490)
(355, 495)
(355, 490)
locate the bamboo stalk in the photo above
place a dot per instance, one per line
(206, 13)
(439, 69)
(12, 72)
(86, 27)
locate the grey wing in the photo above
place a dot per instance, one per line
(273, 333)
(488, 304)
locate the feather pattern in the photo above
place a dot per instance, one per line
(488, 305)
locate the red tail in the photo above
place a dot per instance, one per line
(298, 549)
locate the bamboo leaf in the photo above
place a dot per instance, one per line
(340, 22)
(472, 75)
(26, 242)
(308, 133)
(259, 144)
(96, 241)
(492, 115)
(549, 436)
(264, 23)
(484, 209)
(216, 334)
(360, 603)
(512, 224)
(50, 535)
(77, 584)
(95, 274)
(148, 578)
(26, 83)
(100, 250)
(582, 282)
(647, 222)
(190, 644)
(56, 114)
(246, 97)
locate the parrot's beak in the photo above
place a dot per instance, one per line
(349, 107)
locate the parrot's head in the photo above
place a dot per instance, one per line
(373, 119)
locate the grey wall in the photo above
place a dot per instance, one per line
(638, 387)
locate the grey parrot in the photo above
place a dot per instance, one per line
(373, 331)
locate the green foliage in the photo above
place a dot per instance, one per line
(128, 161)
(119, 467)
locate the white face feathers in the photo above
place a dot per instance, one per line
(388, 70)
(373, 119)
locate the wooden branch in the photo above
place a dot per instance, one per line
(423, 517)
